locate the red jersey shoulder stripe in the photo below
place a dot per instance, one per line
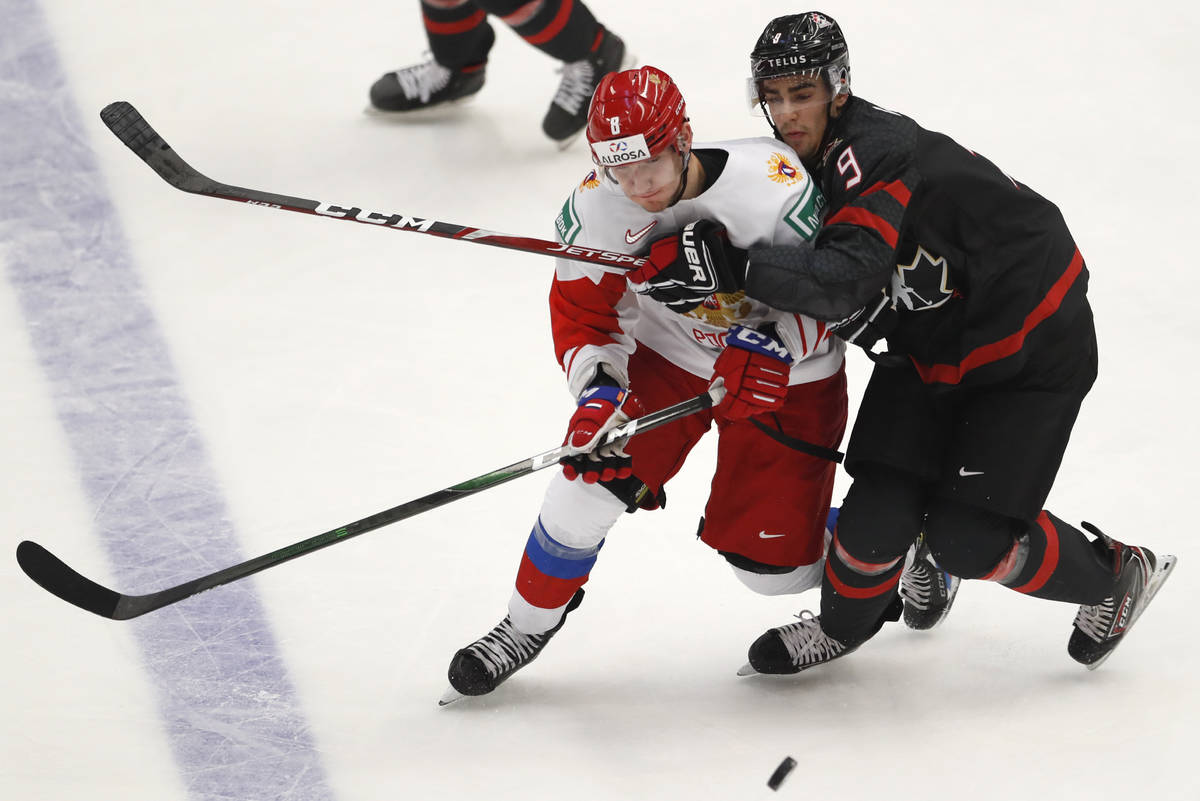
(856, 216)
(896, 189)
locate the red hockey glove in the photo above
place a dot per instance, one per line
(756, 368)
(601, 409)
(684, 269)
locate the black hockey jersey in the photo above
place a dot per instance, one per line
(973, 261)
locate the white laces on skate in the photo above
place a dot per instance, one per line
(578, 84)
(505, 648)
(916, 584)
(420, 81)
(1096, 621)
(807, 643)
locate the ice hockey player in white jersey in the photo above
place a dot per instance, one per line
(623, 353)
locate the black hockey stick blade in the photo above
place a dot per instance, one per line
(139, 136)
(58, 578)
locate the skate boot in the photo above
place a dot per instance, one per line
(489, 661)
(1138, 575)
(425, 85)
(793, 648)
(927, 590)
(568, 111)
(800, 646)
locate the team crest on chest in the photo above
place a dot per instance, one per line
(722, 309)
(922, 284)
(590, 182)
(782, 171)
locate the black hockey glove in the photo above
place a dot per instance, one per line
(683, 270)
(869, 324)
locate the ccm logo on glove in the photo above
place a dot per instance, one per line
(755, 368)
(749, 339)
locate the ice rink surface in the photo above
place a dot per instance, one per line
(189, 383)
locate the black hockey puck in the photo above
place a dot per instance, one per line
(781, 773)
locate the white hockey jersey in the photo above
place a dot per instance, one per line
(763, 197)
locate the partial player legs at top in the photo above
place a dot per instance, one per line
(460, 39)
(460, 35)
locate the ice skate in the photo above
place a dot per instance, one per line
(793, 648)
(568, 111)
(927, 590)
(802, 645)
(1100, 629)
(425, 85)
(489, 661)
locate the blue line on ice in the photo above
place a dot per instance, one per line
(227, 704)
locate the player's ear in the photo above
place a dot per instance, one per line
(685, 138)
(835, 108)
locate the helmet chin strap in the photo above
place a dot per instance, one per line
(770, 120)
(683, 176)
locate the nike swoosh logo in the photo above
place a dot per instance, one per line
(764, 535)
(632, 238)
(965, 473)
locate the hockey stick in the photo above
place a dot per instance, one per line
(131, 128)
(58, 578)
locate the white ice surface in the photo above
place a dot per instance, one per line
(335, 371)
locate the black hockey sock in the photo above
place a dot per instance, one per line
(854, 605)
(1056, 561)
(562, 29)
(880, 518)
(459, 34)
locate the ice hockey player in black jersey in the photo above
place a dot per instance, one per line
(976, 285)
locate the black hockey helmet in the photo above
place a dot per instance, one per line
(802, 44)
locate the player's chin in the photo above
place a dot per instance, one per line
(799, 142)
(653, 205)
(653, 201)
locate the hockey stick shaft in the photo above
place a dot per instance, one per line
(139, 136)
(56, 577)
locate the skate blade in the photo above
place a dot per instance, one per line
(437, 113)
(747, 670)
(1162, 572)
(563, 144)
(450, 696)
